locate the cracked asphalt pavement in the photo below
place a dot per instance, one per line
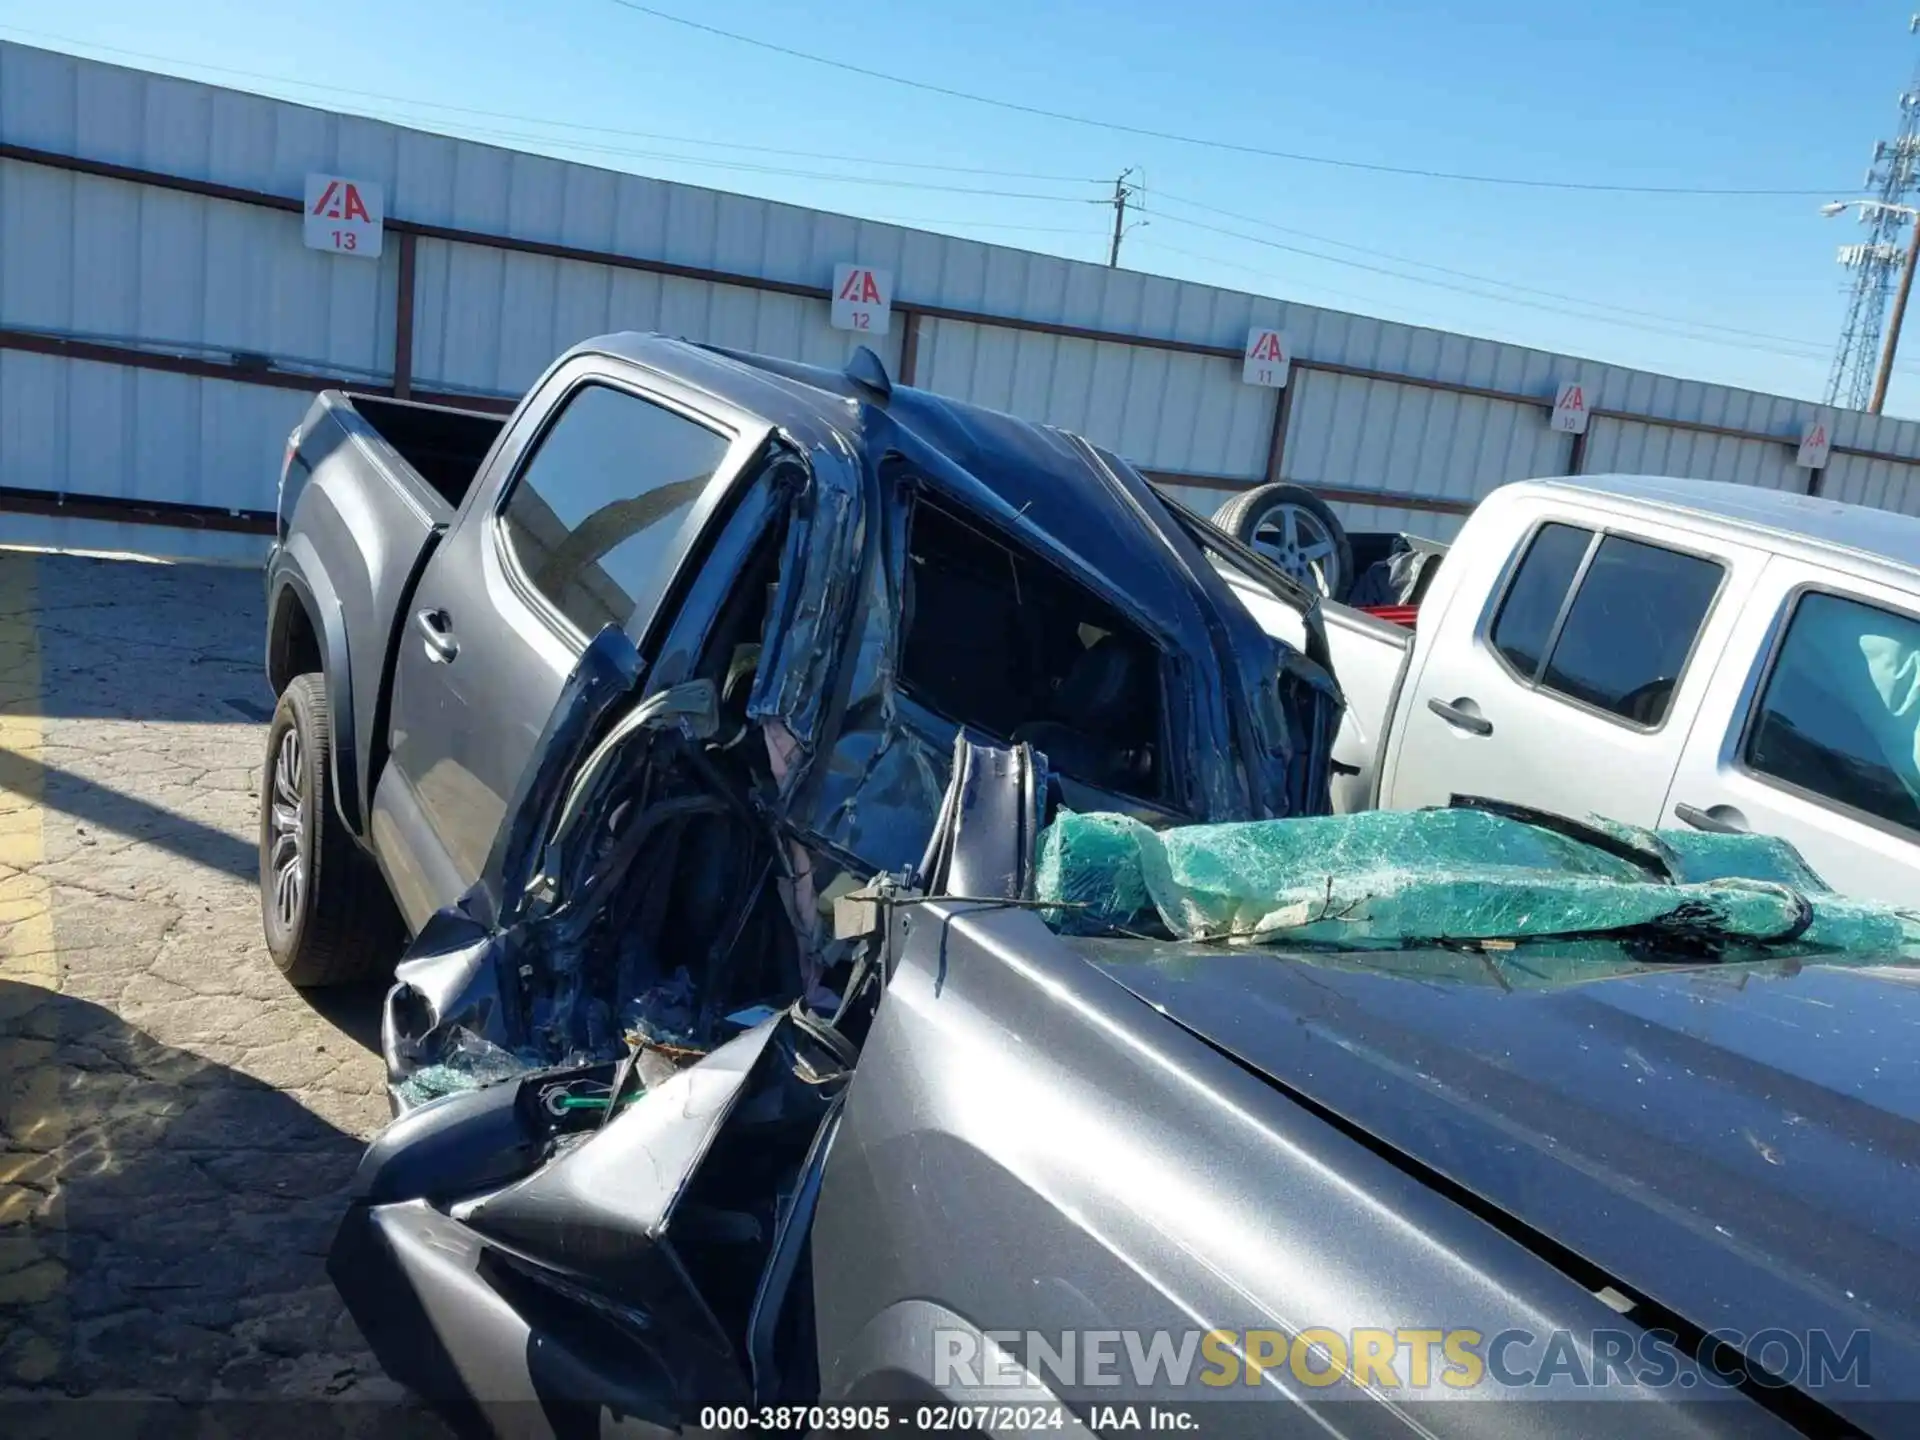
(178, 1126)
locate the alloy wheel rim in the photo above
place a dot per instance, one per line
(1297, 541)
(287, 854)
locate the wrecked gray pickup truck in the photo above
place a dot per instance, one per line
(855, 573)
(798, 1050)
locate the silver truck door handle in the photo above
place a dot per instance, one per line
(1728, 822)
(1461, 719)
(436, 631)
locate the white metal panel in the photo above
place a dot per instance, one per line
(1349, 433)
(490, 321)
(1883, 484)
(80, 428)
(127, 540)
(1633, 448)
(1161, 409)
(1430, 524)
(1201, 499)
(129, 263)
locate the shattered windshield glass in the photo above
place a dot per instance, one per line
(1474, 873)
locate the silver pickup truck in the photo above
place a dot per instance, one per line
(1662, 652)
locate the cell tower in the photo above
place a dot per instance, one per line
(1875, 261)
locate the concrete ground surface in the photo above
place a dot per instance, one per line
(177, 1125)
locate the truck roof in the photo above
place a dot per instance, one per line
(1805, 522)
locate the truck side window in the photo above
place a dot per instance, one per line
(1533, 601)
(1840, 715)
(1627, 635)
(594, 513)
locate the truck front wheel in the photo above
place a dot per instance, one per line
(326, 911)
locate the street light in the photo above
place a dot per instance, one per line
(1892, 343)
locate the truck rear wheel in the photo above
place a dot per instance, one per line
(324, 907)
(1293, 528)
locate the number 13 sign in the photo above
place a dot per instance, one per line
(344, 217)
(862, 298)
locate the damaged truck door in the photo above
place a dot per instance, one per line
(598, 489)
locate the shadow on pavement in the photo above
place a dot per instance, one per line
(164, 1223)
(354, 1010)
(113, 810)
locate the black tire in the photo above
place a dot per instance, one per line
(1257, 518)
(332, 921)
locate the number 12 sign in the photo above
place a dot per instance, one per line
(344, 217)
(1269, 358)
(862, 298)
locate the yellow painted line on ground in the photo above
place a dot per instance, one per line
(33, 1118)
(26, 912)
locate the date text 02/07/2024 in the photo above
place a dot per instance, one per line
(942, 1419)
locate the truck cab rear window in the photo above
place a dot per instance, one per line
(1840, 715)
(1004, 643)
(1605, 620)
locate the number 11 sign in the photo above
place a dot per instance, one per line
(1269, 358)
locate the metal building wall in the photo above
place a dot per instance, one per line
(1400, 426)
(490, 322)
(1160, 409)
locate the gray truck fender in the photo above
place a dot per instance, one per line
(298, 579)
(892, 1359)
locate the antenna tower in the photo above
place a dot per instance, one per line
(1875, 260)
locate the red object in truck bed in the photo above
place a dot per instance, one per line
(1394, 614)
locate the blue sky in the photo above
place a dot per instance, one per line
(1763, 94)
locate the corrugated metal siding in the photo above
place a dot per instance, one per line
(1354, 434)
(136, 434)
(112, 258)
(104, 258)
(491, 321)
(1880, 483)
(1429, 523)
(1628, 447)
(1161, 409)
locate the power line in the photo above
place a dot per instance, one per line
(1794, 354)
(1207, 142)
(614, 130)
(1471, 275)
(747, 168)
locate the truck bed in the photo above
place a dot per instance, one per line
(445, 446)
(374, 482)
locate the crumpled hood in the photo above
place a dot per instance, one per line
(1740, 1143)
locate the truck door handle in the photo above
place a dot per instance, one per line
(1728, 822)
(1461, 719)
(436, 630)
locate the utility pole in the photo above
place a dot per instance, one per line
(1122, 192)
(1893, 321)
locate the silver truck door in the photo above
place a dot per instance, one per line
(1568, 681)
(605, 489)
(1809, 729)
